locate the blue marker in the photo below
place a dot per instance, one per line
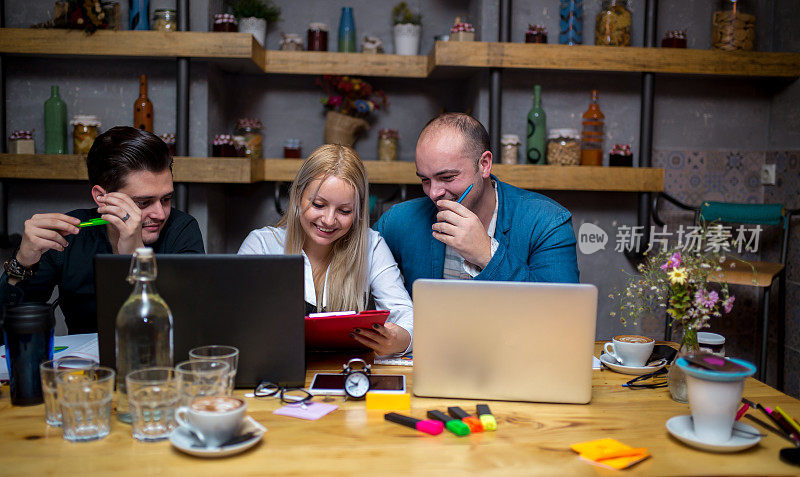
(464, 194)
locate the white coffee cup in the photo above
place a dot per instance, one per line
(714, 398)
(630, 350)
(214, 419)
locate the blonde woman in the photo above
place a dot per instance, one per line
(345, 261)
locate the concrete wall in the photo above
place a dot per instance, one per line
(691, 113)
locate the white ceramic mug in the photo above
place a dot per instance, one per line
(214, 425)
(630, 350)
(714, 398)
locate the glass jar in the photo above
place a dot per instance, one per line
(84, 133)
(291, 42)
(250, 129)
(387, 144)
(571, 21)
(21, 142)
(563, 147)
(169, 140)
(292, 149)
(620, 156)
(509, 149)
(225, 22)
(612, 26)
(165, 20)
(674, 39)
(223, 146)
(732, 28)
(536, 34)
(317, 37)
(111, 11)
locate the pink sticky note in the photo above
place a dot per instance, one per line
(311, 412)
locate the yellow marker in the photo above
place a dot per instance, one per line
(388, 401)
(486, 417)
(788, 418)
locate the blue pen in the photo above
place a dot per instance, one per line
(464, 194)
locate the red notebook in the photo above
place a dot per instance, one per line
(333, 332)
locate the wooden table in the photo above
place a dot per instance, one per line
(531, 439)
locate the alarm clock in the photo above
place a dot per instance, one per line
(356, 381)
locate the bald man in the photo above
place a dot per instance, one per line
(498, 232)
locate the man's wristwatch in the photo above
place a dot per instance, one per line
(14, 269)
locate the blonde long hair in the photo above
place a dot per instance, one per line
(347, 269)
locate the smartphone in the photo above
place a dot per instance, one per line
(663, 351)
(333, 384)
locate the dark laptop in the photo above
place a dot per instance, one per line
(252, 302)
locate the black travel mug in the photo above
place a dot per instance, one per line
(28, 330)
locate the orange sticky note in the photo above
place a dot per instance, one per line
(610, 453)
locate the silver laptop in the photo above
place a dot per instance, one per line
(506, 341)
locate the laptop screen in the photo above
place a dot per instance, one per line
(252, 302)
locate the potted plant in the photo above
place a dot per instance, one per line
(407, 29)
(349, 101)
(254, 15)
(686, 281)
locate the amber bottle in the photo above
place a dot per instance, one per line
(143, 108)
(592, 137)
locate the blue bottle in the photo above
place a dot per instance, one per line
(347, 31)
(138, 15)
(571, 22)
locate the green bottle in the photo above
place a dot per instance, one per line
(537, 130)
(55, 124)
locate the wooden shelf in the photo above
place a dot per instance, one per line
(332, 63)
(151, 44)
(605, 58)
(234, 170)
(445, 55)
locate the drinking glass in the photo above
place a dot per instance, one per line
(202, 377)
(226, 354)
(85, 399)
(48, 371)
(153, 399)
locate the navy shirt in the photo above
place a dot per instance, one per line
(72, 270)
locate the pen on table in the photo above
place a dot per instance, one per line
(788, 419)
(742, 411)
(428, 426)
(770, 428)
(464, 194)
(783, 425)
(778, 425)
(93, 222)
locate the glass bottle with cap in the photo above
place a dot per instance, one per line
(592, 137)
(143, 327)
(537, 130)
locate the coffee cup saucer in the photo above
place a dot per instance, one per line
(682, 428)
(612, 363)
(185, 441)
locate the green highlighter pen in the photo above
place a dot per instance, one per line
(456, 426)
(93, 222)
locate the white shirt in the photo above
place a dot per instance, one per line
(469, 268)
(383, 276)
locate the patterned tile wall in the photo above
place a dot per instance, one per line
(735, 176)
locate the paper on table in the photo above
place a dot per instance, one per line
(310, 411)
(81, 346)
(596, 364)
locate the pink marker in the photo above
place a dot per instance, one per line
(428, 426)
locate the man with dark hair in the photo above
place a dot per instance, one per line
(131, 176)
(498, 232)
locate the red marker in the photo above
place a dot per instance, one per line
(742, 411)
(428, 426)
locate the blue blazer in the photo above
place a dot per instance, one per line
(535, 236)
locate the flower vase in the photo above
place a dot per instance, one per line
(343, 129)
(676, 378)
